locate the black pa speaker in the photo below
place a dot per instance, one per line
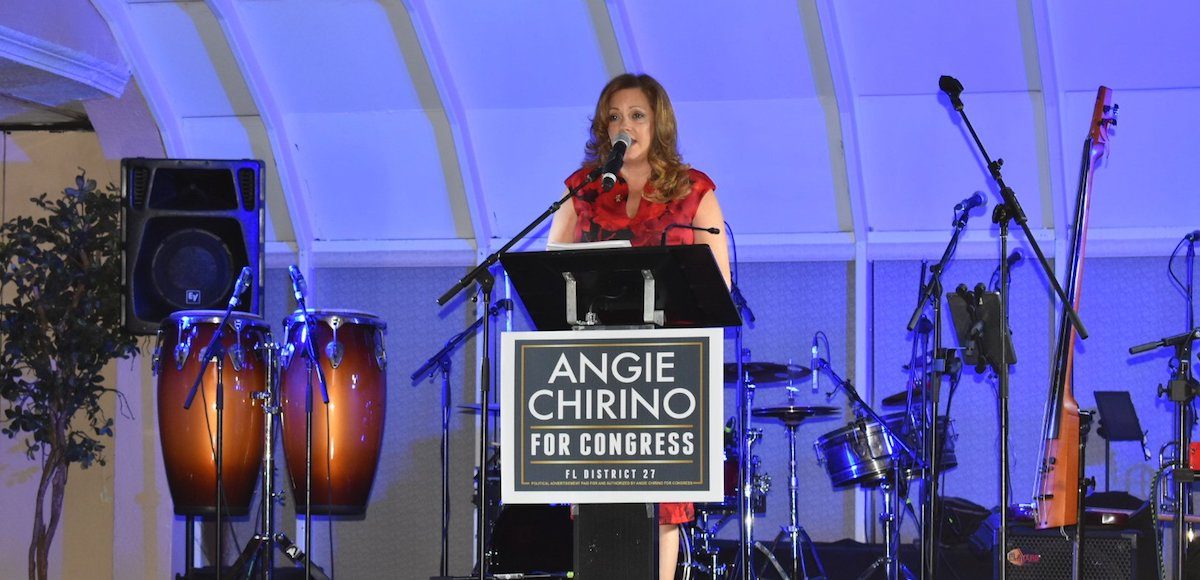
(616, 541)
(189, 228)
(1108, 554)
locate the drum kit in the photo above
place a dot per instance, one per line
(874, 452)
(212, 460)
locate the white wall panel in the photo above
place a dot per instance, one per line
(522, 54)
(330, 56)
(368, 180)
(770, 177)
(902, 48)
(1126, 44)
(705, 51)
(1150, 178)
(919, 159)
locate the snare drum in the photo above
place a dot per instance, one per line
(759, 483)
(349, 346)
(861, 452)
(189, 435)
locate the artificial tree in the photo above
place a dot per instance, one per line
(60, 324)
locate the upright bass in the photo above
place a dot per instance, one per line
(1056, 492)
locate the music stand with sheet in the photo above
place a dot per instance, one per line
(1118, 422)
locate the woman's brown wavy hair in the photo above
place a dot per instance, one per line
(668, 172)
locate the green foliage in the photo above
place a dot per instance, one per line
(60, 321)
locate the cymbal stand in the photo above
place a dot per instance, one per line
(440, 363)
(892, 491)
(1181, 390)
(745, 404)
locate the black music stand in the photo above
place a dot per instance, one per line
(976, 318)
(645, 287)
(1118, 422)
(562, 288)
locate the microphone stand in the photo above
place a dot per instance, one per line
(482, 276)
(1002, 214)
(1181, 390)
(313, 363)
(440, 361)
(932, 294)
(215, 350)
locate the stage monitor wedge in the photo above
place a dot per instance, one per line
(189, 226)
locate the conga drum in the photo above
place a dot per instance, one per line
(189, 436)
(347, 433)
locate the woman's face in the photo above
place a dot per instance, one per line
(629, 111)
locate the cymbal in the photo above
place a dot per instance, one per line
(766, 374)
(474, 408)
(793, 414)
(900, 399)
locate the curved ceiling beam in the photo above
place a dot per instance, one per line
(1038, 47)
(611, 20)
(832, 79)
(451, 104)
(229, 16)
(116, 14)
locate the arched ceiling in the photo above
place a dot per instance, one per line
(431, 131)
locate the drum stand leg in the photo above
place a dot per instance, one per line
(259, 553)
(701, 554)
(795, 533)
(890, 560)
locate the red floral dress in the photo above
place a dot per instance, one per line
(602, 216)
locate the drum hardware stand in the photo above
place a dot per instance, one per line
(1009, 210)
(216, 352)
(440, 363)
(1181, 390)
(300, 288)
(890, 559)
(261, 548)
(893, 489)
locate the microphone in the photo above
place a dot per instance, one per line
(970, 203)
(239, 287)
(663, 242)
(299, 288)
(1192, 237)
(815, 375)
(953, 89)
(616, 159)
(502, 304)
(1016, 256)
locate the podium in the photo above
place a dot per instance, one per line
(621, 288)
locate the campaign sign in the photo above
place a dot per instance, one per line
(612, 416)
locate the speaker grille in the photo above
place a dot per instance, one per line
(192, 269)
(248, 186)
(1107, 555)
(139, 186)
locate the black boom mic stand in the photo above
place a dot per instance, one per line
(931, 293)
(299, 287)
(481, 275)
(1009, 210)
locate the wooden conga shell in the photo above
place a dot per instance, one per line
(347, 434)
(189, 436)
